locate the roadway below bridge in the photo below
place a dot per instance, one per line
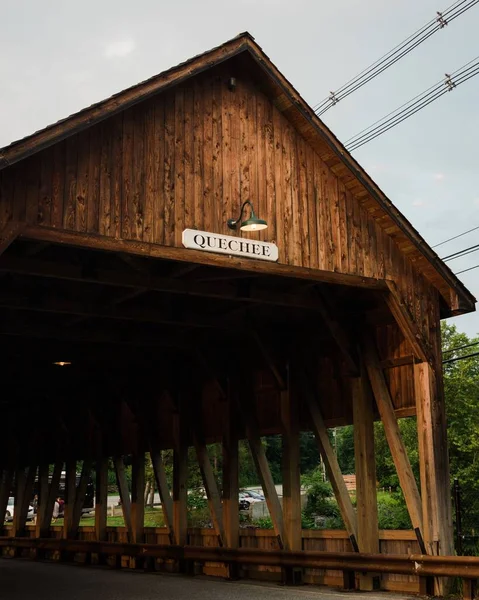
(22, 580)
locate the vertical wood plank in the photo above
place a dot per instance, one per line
(138, 498)
(169, 170)
(180, 476)
(278, 182)
(188, 160)
(150, 155)
(101, 498)
(94, 162)
(70, 494)
(45, 196)
(82, 180)
(179, 208)
(217, 155)
(69, 201)
(105, 216)
(198, 134)
(58, 184)
(303, 201)
(270, 173)
(291, 470)
(208, 191)
(158, 184)
(116, 182)
(365, 461)
(124, 493)
(127, 189)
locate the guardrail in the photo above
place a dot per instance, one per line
(426, 567)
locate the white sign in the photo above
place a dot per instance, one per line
(227, 244)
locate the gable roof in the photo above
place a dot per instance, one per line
(457, 297)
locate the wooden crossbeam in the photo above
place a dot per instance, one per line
(9, 234)
(393, 435)
(330, 462)
(337, 332)
(124, 493)
(407, 324)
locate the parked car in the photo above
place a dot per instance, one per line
(11, 511)
(249, 497)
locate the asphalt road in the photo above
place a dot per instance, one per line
(25, 580)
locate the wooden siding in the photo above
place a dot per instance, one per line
(188, 158)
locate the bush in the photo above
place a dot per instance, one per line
(392, 511)
(320, 497)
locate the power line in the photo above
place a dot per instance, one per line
(455, 237)
(461, 253)
(465, 270)
(414, 105)
(460, 347)
(450, 360)
(394, 55)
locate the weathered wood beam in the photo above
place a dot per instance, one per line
(393, 435)
(291, 469)
(330, 462)
(80, 496)
(138, 497)
(180, 474)
(163, 489)
(227, 292)
(101, 498)
(268, 358)
(9, 234)
(230, 473)
(365, 462)
(20, 485)
(6, 483)
(407, 324)
(247, 409)
(195, 256)
(433, 463)
(42, 499)
(338, 333)
(70, 496)
(124, 493)
(209, 481)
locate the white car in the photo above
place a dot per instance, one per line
(11, 511)
(250, 497)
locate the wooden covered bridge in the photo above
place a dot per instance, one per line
(181, 328)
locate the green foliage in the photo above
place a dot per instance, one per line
(320, 501)
(392, 511)
(264, 523)
(386, 471)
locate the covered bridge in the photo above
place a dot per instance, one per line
(115, 259)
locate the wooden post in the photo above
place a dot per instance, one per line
(124, 493)
(165, 496)
(23, 497)
(70, 493)
(42, 499)
(331, 463)
(80, 497)
(138, 498)
(5, 490)
(393, 436)
(52, 496)
(291, 479)
(434, 467)
(366, 496)
(101, 498)
(291, 471)
(230, 479)
(180, 475)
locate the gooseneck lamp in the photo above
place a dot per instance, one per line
(251, 224)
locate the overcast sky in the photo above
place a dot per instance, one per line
(60, 56)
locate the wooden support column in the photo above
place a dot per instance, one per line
(230, 478)
(247, 409)
(24, 491)
(42, 499)
(138, 498)
(163, 490)
(434, 467)
(180, 476)
(393, 436)
(101, 498)
(365, 461)
(331, 463)
(6, 483)
(70, 493)
(124, 493)
(291, 471)
(80, 493)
